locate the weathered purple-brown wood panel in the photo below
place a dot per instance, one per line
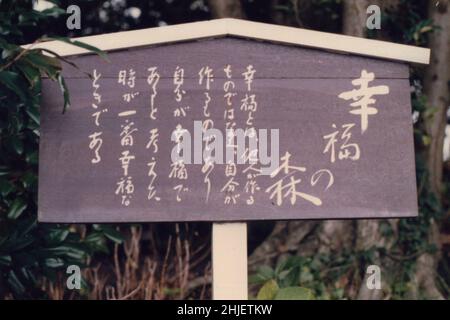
(297, 91)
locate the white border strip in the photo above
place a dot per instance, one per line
(247, 29)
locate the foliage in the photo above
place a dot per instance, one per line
(413, 27)
(308, 275)
(28, 250)
(271, 291)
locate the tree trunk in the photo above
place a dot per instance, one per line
(437, 91)
(281, 17)
(354, 17)
(226, 9)
(298, 17)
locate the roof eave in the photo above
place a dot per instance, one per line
(245, 29)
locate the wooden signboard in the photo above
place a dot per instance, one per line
(338, 126)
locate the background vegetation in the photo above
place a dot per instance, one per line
(164, 261)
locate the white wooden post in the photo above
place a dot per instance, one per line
(229, 261)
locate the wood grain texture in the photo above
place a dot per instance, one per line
(297, 92)
(278, 61)
(245, 29)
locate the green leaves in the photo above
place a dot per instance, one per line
(271, 291)
(5, 260)
(112, 234)
(81, 45)
(264, 274)
(109, 232)
(282, 283)
(56, 235)
(16, 209)
(15, 283)
(5, 187)
(298, 277)
(12, 81)
(29, 250)
(268, 291)
(30, 72)
(17, 144)
(70, 250)
(49, 66)
(294, 293)
(54, 262)
(65, 91)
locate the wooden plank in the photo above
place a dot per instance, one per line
(143, 37)
(380, 184)
(229, 261)
(329, 41)
(279, 61)
(248, 29)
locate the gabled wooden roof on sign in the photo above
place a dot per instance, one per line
(245, 29)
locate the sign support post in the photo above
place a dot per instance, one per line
(229, 261)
